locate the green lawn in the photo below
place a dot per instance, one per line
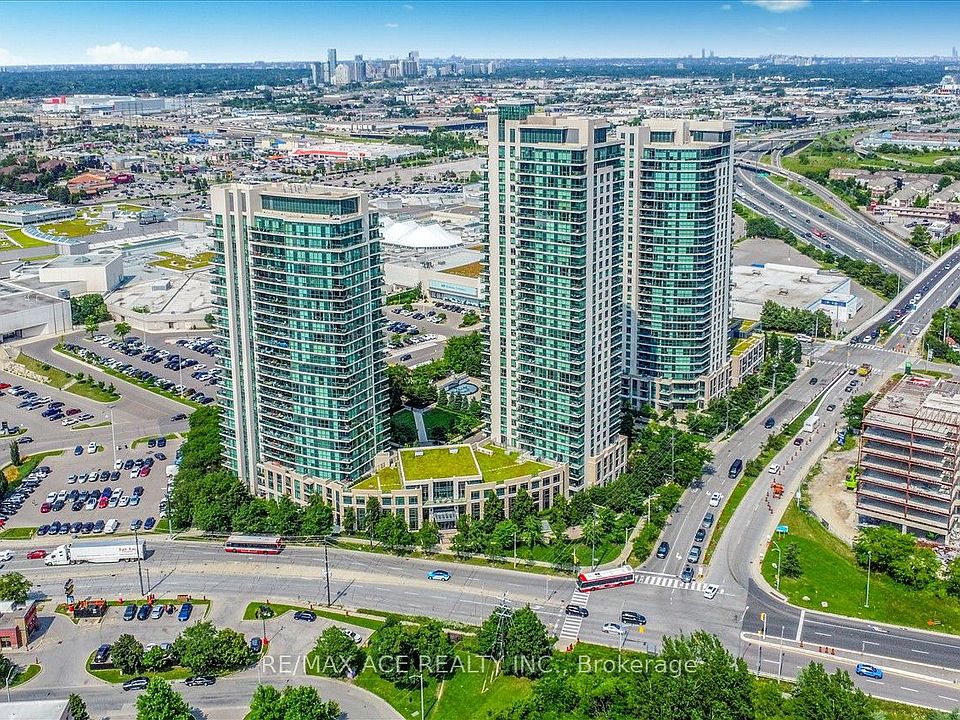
(25, 675)
(502, 465)
(250, 613)
(831, 575)
(474, 690)
(404, 420)
(24, 533)
(439, 417)
(425, 463)
(404, 701)
(23, 240)
(798, 190)
(90, 391)
(385, 480)
(56, 377)
(181, 263)
(87, 426)
(78, 227)
(115, 676)
(29, 463)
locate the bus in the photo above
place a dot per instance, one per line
(601, 579)
(254, 544)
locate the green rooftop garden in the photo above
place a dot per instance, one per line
(745, 344)
(426, 463)
(503, 465)
(385, 480)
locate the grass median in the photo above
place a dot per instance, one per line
(252, 609)
(832, 576)
(753, 469)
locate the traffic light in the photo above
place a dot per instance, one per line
(68, 587)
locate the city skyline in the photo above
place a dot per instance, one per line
(102, 33)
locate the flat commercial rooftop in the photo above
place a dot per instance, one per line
(440, 259)
(99, 258)
(789, 286)
(918, 401)
(18, 299)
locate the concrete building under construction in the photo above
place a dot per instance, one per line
(908, 459)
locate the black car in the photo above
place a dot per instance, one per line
(199, 681)
(43, 530)
(663, 550)
(305, 615)
(98, 526)
(76, 527)
(149, 523)
(701, 534)
(708, 520)
(687, 574)
(130, 611)
(103, 652)
(814, 381)
(769, 422)
(54, 528)
(137, 683)
(143, 612)
(577, 611)
(628, 617)
(87, 528)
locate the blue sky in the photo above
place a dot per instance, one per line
(240, 31)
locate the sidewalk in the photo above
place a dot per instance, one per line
(421, 427)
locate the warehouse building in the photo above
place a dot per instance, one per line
(100, 271)
(31, 214)
(30, 313)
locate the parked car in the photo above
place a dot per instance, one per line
(305, 615)
(143, 612)
(185, 611)
(130, 611)
(137, 683)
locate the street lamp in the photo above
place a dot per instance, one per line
(869, 559)
(113, 436)
(13, 666)
(776, 546)
(136, 542)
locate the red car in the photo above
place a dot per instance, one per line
(36, 554)
(72, 411)
(144, 471)
(103, 502)
(4, 386)
(45, 508)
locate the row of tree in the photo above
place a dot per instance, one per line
(201, 647)
(900, 556)
(944, 324)
(795, 320)
(87, 308)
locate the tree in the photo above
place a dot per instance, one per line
(349, 520)
(155, 659)
(428, 536)
(920, 237)
(15, 454)
(393, 653)
(952, 580)
(197, 647)
(91, 326)
(531, 531)
(127, 654)
(434, 649)
(121, 329)
(392, 531)
(528, 648)
(284, 516)
(371, 517)
(209, 319)
(160, 702)
(266, 704)
(232, 649)
(253, 516)
(464, 354)
(302, 702)
(818, 696)
(522, 507)
(317, 517)
(853, 412)
(492, 511)
(335, 652)
(504, 535)
(14, 587)
(78, 708)
(790, 566)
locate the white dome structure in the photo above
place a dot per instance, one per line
(410, 234)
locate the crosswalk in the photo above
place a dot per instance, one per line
(571, 623)
(670, 581)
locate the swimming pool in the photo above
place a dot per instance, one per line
(466, 388)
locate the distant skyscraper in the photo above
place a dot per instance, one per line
(676, 290)
(360, 68)
(554, 214)
(297, 282)
(316, 73)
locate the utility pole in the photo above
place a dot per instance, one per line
(136, 541)
(776, 547)
(869, 560)
(326, 568)
(780, 667)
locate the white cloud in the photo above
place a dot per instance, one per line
(391, 25)
(779, 6)
(407, 6)
(726, 6)
(117, 53)
(6, 57)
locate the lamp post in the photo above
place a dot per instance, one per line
(869, 560)
(13, 666)
(113, 436)
(776, 547)
(136, 542)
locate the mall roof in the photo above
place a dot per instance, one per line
(408, 233)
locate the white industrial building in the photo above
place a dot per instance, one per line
(29, 313)
(100, 271)
(34, 214)
(791, 286)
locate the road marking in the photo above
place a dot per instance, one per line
(823, 634)
(944, 697)
(919, 652)
(908, 689)
(803, 614)
(875, 682)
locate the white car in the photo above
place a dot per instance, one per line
(118, 464)
(6, 555)
(614, 628)
(72, 480)
(355, 636)
(51, 497)
(710, 591)
(123, 502)
(67, 422)
(715, 499)
(112, 525)
(774, 468)
(92, 448)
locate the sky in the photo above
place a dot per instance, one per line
(128, 31)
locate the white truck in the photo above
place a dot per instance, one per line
(811, 423)
(172, 470)
(111, 552)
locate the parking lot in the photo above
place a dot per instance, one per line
(83, 491)
(423, 333)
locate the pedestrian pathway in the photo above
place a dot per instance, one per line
(572, 623)
(421, 427)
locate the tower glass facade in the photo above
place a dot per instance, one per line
(552, 286)
(676, 290)
(297, 281)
